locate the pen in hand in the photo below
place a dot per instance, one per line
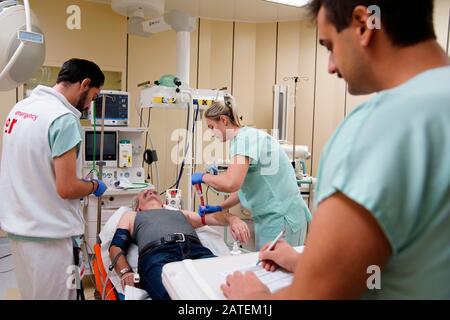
(273, 243)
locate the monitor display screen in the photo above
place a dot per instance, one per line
(109, 146)
(116, 106)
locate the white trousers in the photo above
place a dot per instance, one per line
(43, 269)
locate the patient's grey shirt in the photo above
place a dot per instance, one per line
(152, 225)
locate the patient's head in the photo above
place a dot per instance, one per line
(147, 200)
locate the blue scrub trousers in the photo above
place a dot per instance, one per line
(150, 265)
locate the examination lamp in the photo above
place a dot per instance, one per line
(22, 49)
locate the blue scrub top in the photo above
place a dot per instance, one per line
(391, 155)
(270, 188)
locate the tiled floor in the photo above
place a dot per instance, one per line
(89, 288)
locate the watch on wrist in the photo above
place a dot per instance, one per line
(203, 220)
(93, 186)
(124, 271)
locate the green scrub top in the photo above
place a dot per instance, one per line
(391, 155)
(64, 134)
(270, 188)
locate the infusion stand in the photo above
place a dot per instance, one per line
(296, 81)
(100, 164)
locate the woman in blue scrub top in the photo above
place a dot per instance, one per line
(260, 177)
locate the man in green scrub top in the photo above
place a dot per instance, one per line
(381, 229)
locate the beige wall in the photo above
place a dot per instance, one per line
(244, 70)
(265, 73)
(216, 54)
(296, 56)
(102, 38)
(329, 108)
(7, 100)
(441, 21)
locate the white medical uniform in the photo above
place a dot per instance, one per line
(41, 224)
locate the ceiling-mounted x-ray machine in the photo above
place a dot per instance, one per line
(22, 49)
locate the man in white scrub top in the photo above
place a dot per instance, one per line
(40, 180)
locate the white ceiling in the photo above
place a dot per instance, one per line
(234, 10)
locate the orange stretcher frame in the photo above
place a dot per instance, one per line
(100, 275)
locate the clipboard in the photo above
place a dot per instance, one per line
(201, 279)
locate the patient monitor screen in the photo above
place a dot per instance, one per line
(116, 106)
(109, 146)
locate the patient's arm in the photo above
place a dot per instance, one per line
(126, 222)
(239, 228)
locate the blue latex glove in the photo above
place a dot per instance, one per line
(208, 209)
(197, 178)
(100, 189)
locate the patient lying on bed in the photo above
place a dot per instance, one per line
(162, 236)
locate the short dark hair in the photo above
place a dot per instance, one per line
(406, 22)
(76, 70)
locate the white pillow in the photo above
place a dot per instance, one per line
(209, 237)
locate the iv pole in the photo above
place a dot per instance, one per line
(101, 164)
(296, 81)
(295, 117)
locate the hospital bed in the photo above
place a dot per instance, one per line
(192, 279)
(209, 237)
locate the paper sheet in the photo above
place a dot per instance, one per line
(132, 293)
(273, 280)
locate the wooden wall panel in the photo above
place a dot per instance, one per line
(329, 106)
(265, 65)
